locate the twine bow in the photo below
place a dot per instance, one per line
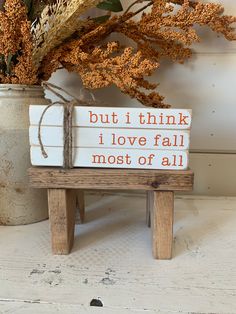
(67, 121)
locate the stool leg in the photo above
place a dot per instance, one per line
(80, 207)
(162, 224)
(149, 207)
(62, 205)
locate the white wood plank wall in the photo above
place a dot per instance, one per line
(206, 84)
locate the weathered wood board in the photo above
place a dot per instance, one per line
(114, 137)
(110, 179)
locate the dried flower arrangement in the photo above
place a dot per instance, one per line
(30, 53)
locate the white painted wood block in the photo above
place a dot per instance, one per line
(113, 158)
(115, 117)
(114, 138)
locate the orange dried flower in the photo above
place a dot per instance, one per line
(16, 45)
(167, 30)
(163, 32)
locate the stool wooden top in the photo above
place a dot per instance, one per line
(114, 179)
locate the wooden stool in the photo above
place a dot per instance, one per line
(62, 185)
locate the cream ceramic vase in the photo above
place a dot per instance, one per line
(19, 204)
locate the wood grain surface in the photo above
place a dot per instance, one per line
(62, 204)
(162, 215)
(41, 177)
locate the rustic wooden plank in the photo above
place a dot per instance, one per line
(62, 204)
(162, 224)
(41, 177)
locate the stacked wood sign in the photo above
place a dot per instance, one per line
(114, 137)
(154, 141)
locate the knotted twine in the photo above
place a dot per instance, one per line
(68, 106)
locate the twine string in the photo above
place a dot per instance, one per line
(68, 134)
(67, 120)
(52, 88)
(45, 155)
(67, 124)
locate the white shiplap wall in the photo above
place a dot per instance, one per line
(207, 84)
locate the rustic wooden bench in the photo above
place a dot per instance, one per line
(63, 186)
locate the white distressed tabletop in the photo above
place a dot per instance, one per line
(111, 261)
